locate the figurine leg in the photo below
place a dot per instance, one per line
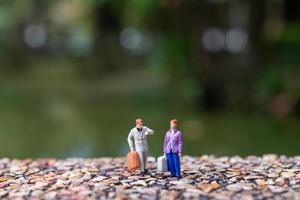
(168, 164)
(171, 163)
(176, 160)
(143, 158)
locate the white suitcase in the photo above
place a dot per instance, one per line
(162, 165)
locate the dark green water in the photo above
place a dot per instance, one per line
(51, 112)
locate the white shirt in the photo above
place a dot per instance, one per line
(172, 137)
(138, 140)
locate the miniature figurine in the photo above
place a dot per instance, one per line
(173, 149)
(137, 140)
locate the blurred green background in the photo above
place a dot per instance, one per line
(75, 74)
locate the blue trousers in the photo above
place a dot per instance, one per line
(173, 162)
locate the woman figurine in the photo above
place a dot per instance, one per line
(173, 148)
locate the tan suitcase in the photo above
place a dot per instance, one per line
(133, 160)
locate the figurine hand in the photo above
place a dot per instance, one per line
(149, 132)
(179, 154)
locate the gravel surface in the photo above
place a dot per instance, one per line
(205, 177)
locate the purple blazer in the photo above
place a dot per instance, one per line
(177, 142)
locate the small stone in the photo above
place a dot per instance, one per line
(116, 178)
(287, 174)
(18, 194)
(246, 196)
(99, 178)
(276, 189)
(139, 182)
(190, 195)
(270, 182)
(232, 174)
(208, 187)
(280, 181)
(194, 190)
(261, 182)
(168, 195)
(3, 179)
(3, 193)
(247, 186)
(273, 175)
(270, 157)
(85, 192)
(251, 177)
(111, 181)
(75, 176)
(234, 187)
(37, 193)
(121, 196)
(151, 183)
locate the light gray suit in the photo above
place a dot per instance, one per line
(138, 141)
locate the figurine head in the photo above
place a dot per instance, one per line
(139, 123)
(173, 123)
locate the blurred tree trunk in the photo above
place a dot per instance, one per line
(107, 27)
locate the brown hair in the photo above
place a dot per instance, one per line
(175, 121)
(138, 119)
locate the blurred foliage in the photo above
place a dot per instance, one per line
(75, 74)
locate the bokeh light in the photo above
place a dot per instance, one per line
(35, 35)
(236, 40)
(213, 39)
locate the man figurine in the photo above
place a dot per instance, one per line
(137, 140)
(173, 148)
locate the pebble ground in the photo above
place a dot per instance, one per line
(205, 177)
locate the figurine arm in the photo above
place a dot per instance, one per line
(149, 131)
(180, 144)
(165, 144)
(130, 140)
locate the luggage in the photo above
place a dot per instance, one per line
(162, 165)
(133, 160)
